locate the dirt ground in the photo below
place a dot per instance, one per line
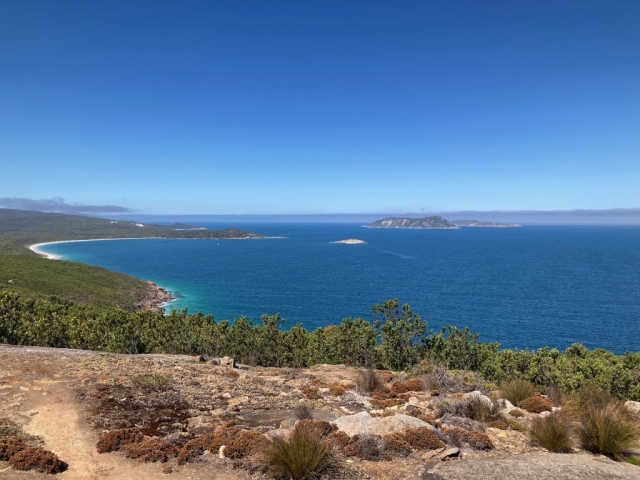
(66, 399)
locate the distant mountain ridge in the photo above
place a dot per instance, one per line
(435, 222)
(427, 223)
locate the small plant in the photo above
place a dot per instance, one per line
(337, 390)
(368, 381)
(482, 410)
(115, 440)
(153, 382)
(553, 432)
(9, 446)
(536, 404)
(38, 459)
(311, 393)
(516, 390)
(430, 382)
(633, 460)
(367, 447)
(499, 424)
(301, 456)
(515, 413)
(555, 395)
(422, 439)
(477, 440)
(516, 425)
(303, 412)
(397, 445)
(609, 429)
(152, 450)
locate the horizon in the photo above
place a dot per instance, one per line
(302, 108)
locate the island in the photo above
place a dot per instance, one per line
(435, 223)
(351, 241)
(427, 223)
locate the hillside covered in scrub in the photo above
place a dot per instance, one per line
(79, 414)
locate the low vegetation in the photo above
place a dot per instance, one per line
(54, 322)
(553, 432)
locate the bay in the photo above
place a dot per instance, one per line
(524, 287)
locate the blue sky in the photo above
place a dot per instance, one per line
(321, 106)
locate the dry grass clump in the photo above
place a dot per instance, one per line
(482, 410)
(477, 440)
(553, 432)
(536, 404)
(323, 428)
(303, 412)
(413, 385)
(152, 450)
(462, 422)
(301, 456)
(555, 395)
(38, 459)
(232, 374)
(396, 445)
(153, 382)
(115, 440)
(337, 390)
(517, 390)
(245, 443)
(609, 429)
(367, 447)
(499, 424)
(211, 441)
(311, 393)
(516, 425)
(368, 381)
(422, 439)
(515, 413)
(9, 446)
(338, 439)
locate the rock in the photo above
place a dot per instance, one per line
(215, 361)
(283, 433)
(362, 423)
(227, 362)
(633, 406)
(221, 451)
(201, 359)
(238, 401)
(443, 453)
(413, 401)
(478, 394)
(226, 395)
(324, 391)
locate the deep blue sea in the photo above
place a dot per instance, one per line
(523, 287)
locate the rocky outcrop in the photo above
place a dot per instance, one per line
(154, 298)
(427, 223)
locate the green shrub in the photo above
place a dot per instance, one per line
(516, 413)
(634, 460)
(516, 390)
(553, 432)
(303, 455)
(609, 429)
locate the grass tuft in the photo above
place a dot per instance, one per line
(153, 382)
(608, 429)
(301, 456)
(368, 381)
(553, 432)
(516, 390)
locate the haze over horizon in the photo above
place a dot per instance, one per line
(321, 107)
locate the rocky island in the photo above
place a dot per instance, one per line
(428, 223)
(351, 241)
(435, 223)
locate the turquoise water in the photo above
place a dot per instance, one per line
(526, 287)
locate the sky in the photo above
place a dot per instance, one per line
(290, 107)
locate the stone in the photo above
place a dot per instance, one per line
(443, 453)
(238, 401)
(362, 423)
(221, 451)
(633, 406)
(476, 394)
(227, 362)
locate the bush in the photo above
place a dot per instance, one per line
(516, 390)
(536, 404)
(152, 450)
(553, 432)
(116, 439)
(413, 385)
(368, 381)
(477, 440)
(303, 455)
(609, 429)
(482, 410)
(516, 413)
(367, 447)
(38, 459)
(397, 445)
(153, 382)
(422, 439)
(516, 425)
(9, 446)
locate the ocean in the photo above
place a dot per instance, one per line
(523, 287)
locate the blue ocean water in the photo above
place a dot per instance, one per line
(524, 287)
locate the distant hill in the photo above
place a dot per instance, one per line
(21, 228)
(480, 223)
(184, 226)
(427, 223)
